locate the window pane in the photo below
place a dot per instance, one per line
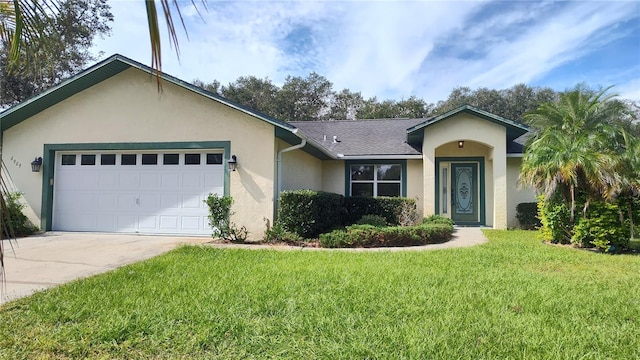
(149, 159)
(68, 159)
(171, 159)
(359, 189)
(108, 159)
(362, 172)
(128, 159)
(388, 189)
(88, 160)
(389, 172)
(214, 159)
(192, 159)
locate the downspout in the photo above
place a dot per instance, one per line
(303, 142)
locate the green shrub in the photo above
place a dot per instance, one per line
(527, 214)
(371, 236)
(602, 227)
(396, 210)
(555, 220)
(375, 220)
(220, 219)
(15, 222)
(309, 213)
(277, 233)
(437, 219)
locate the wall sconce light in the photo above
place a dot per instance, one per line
(36, 164)
(460, 144)
(233, 163)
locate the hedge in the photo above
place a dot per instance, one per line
(527, 214)
(396, 210)
(371, 236)
(309, 213)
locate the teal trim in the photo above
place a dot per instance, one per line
(347, 173)
(415, 134)
(483, 207)
(104, 70)
(49, 159)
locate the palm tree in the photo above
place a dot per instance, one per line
(575, 148)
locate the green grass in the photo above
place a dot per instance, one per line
(511, 298)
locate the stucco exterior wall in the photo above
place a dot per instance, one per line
(333, 176)
(483, 133)
(516, 194)
(299, 169)
(414, 184)
(128, 108)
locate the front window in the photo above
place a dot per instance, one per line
(376, 180)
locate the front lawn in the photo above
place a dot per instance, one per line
(511, 298)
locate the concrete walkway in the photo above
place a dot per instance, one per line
(46, 260)
(53, 258)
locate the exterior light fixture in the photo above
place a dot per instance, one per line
(233, 163)
(36, 164)
(460, 144)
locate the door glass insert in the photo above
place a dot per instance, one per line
(465, 193)
(69, 159)
(192, 159)
(128, 159)
(171, 159)
(88, 159)
(149, 159)
(108, 159)
(214, 159)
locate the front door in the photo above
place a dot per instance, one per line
(464, 193)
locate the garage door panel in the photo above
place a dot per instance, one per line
(150, 181)
(127, 222)
(190, 223)
(147, 222)
(169, 222)
(192, 181)
(169, 201)
(129, 180)
(157, 198)
(192, 201)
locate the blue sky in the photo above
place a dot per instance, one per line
(397, 49)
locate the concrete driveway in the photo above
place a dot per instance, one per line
(42, 261)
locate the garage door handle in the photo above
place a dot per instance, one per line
(137, 201)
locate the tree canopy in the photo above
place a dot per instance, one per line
(61, 51)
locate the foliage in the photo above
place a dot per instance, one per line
(527, 214)
(59, 52)
(556, 225)
(309, 213)
(220, 219)
(277, 233)
(437, 219)
(374, 236)
(602, 227)
(578, 148)
(207, 303)
(373, 220)
(396, 210)
(14, 221)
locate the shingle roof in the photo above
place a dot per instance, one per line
(377, 137)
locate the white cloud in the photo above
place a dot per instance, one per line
(384, 49)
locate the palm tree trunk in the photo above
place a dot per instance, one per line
(573, 202)
(630, 211)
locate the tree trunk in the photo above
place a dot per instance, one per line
(630, 211)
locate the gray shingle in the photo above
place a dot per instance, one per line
(362, 137)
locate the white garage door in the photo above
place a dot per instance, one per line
(136, 192)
